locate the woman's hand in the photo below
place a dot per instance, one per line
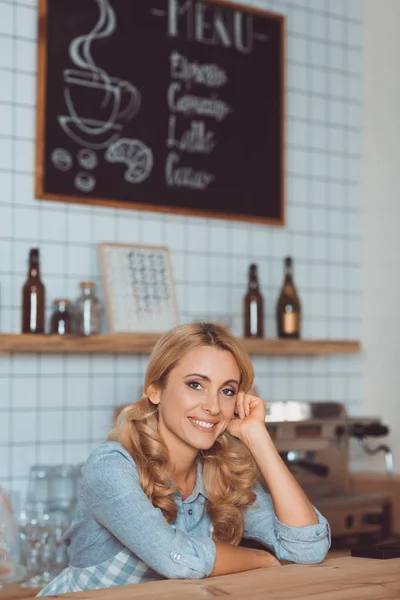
(249, 415)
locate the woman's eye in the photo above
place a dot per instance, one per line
(228, 392)
(193, 384)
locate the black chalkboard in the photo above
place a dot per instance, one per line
(167, 105)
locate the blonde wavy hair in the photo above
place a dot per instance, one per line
(229, 470)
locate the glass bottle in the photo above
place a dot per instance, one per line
(61, 319)
(253, 307)
(87, 310)
(288, 310)
(40, 485)
(64, 491)
(33, 297)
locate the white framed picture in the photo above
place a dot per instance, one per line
(138, 288)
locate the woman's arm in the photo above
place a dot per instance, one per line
(235, 559)
(285, 520)
(303, 545)
(292, 507)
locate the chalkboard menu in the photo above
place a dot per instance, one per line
(166, 105)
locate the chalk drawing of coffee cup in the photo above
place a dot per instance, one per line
(98, 104)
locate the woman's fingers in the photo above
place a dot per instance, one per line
(240, 405)
(245, 403)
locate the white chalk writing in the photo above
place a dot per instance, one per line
(189, 104)
(207, 23)
(195, 139)
(177, 176)
(209, 75)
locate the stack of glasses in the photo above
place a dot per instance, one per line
(42, 521)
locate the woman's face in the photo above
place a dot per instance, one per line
(199, 399)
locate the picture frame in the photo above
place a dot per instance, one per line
(138, 288)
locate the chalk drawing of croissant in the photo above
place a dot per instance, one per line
(98, 104)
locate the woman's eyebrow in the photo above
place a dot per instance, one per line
(231, 381)
(206, 378)
(198, 375)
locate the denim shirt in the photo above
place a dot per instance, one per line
(119, 537)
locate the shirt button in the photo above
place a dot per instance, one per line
(190, 511)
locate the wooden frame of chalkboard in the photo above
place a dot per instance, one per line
(208, 109)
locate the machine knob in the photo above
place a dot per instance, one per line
(315, 468)
(359, 430)
(373, 518)
(349, 521)
(340, 431)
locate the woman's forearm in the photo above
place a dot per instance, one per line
(235, 559)
(291, 504)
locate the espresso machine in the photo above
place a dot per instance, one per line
(314, 439)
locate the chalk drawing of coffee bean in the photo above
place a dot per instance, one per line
(87, 159)
(85, 182)
(61, 159)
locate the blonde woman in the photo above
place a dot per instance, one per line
(174, 490)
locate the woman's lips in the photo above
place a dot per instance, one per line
(197, 425)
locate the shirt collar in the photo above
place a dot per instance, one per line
(199, 487)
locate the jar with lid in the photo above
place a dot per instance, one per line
(87, 310)
(61, 320)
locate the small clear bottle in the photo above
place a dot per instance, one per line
(87, 310)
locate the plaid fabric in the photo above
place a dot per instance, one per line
(124, 568)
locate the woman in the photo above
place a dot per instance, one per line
(174, 490)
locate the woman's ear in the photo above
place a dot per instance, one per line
(154, 394)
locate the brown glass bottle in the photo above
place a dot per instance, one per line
(33, 297)
(253, 307)
(288, 309)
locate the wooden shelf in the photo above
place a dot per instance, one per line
(279, 347)
(143, 344)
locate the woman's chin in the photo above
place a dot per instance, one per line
(201, 444)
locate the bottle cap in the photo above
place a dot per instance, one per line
(288, 261)
(34, 254)
(87, 284)
(62, 303)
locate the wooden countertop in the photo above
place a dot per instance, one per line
(344, 578)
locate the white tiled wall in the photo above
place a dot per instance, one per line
(56, 408)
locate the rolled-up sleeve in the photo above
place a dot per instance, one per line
(116, 500)
(304, 545)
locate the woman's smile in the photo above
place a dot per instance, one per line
(205, 426)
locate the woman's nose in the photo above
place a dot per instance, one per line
(212, 405)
